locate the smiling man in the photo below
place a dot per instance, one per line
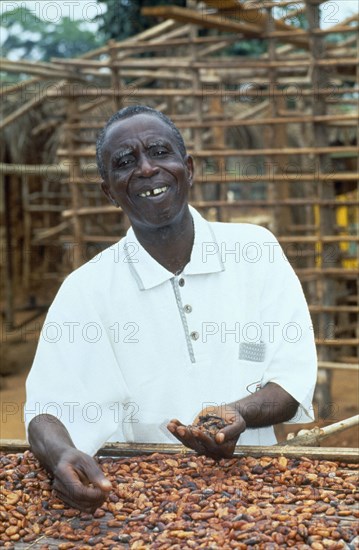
(180, 316)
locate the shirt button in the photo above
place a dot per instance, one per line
(181, 282)
(194, 335)
(188, 308)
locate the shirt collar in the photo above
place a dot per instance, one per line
(205, 256)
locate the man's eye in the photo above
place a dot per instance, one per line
(123, 162)
(159, 152)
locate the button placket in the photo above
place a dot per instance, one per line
(177, 284)
(194, 334)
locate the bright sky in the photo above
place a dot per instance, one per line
(333, 11)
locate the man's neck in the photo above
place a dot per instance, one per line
(171, 246)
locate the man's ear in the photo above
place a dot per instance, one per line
(190, 169)
(106, 189)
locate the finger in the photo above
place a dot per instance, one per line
(203, 438)
(173, 425)
(79, 492)
(208, 443)
(69, 482)
(185, 436)
(94, 475)
(232, 431)
(81, 504)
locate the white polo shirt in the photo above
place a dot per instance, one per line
(127, 346)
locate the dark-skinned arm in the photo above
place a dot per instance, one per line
(266, 407)
(78, 480)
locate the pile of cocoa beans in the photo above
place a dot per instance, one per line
(178, 501)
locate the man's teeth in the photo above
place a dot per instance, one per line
(154, 192)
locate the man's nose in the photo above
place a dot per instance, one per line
(146, 167)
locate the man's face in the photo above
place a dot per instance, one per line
(146, 173)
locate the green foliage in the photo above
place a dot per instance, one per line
(252, 48)
(123, 17)
(29, 37)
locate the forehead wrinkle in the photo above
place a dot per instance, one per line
(122, 152)
(158, 141)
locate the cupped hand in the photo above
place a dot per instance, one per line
(222, 445)
(79, 481)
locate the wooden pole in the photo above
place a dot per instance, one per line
(9, 296)
(73, 163)
(123, 450)
(326, 287)
(315, 436)
(197, 192)
(115, 76)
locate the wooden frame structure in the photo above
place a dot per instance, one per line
(273, 137)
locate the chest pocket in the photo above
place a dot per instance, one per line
(251, 357)
(252, 351)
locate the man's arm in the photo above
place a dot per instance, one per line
(78, 480)
(266, 407)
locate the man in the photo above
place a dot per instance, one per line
(179, 316)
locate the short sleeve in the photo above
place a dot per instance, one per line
(292, 359)
(75, 376)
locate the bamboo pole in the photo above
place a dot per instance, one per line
(116, 80)
(6, 89)
(223, 178)
(336, 309)
(9, 268)
(90, 152)
(210, 119)
(198, 105)
(186, 63)
(74, 189)
(27, 107)
(210, 204)
(41, 69)
(315, 436)
(35, 169)
(337, 366)
(345, 454)
(256, 93)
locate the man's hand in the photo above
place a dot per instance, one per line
(268, 406)
(79, 482)
(219, 446)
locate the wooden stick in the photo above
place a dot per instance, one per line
(31, 68)
(342, 454)
(229, 177)
(316, 435)
(15, 88)
(51, 232)
(336, 309)
(339, 342)
(337, 366)
(207, 91)
(34, 169)
(212, 63)
(264, 121)
(207, 20)
(25, 108)
(286, 34)
(90, 152)
(314, 238)
(210, 204)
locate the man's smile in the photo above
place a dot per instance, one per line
(157, 191)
